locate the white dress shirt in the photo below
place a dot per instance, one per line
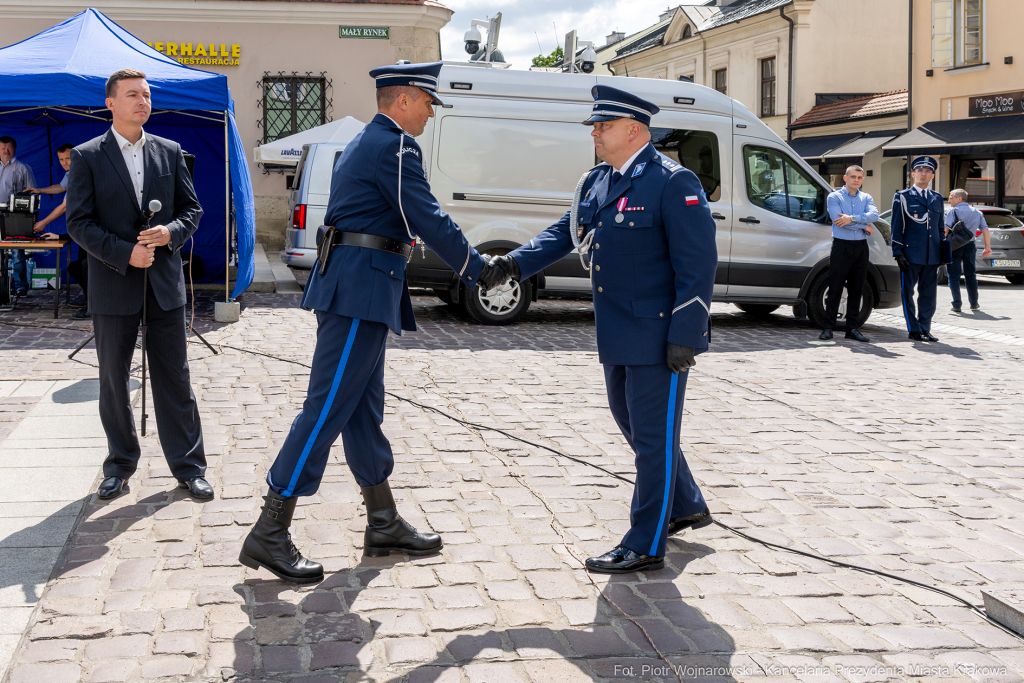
(134, 161)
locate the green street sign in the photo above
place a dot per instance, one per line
(363, 32)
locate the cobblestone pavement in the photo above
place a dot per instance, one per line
(900, 456)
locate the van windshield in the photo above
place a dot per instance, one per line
(697, 150)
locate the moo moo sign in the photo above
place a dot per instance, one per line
(1005, 103)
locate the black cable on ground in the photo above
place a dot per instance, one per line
(472, 425)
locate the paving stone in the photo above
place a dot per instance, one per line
(460, 619)
(329, 655)
(64, 672)
(166, 667)
(453, 597)
(176, 644)
(118, 646)
(409, 650)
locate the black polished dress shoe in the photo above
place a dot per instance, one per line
(697, 521)
(198, 487)
(79, 302)
(916, 336)
(269, 545)
(856, 335)
(387, 531)
(81, 314)
(825, 335)
(622, 560)
(111, 488)
(927, 336)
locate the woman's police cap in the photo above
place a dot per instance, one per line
(422, 76)
(611, 103)
(924, 162)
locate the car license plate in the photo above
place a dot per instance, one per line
(1004, 263)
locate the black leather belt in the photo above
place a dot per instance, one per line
(361, 239)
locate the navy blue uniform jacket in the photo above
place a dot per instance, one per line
(653, 273)
(379, 188)
(919, 242)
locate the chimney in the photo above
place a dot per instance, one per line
(667, 14)
(613, 37)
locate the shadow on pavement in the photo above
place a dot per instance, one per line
(606, 644)
(40, 538)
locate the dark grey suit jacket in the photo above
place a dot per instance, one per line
(103, 217)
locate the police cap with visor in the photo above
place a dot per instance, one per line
(924, 162)
(611, 103)
(422, 76)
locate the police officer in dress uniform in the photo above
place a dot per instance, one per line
(380, 203)
(644, 223)
(917, 228)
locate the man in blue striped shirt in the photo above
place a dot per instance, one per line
(852, 213)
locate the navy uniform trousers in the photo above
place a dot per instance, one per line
(926, 280)
(345, 397)
(647, 404)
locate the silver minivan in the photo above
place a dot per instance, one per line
(503, 156)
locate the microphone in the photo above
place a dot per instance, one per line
(154, 207)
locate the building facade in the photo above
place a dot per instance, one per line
(290, 65)
(776, 57)
(967, 98)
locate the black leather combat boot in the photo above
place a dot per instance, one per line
(387, 531)
(269, 545)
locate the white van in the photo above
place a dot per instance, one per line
(504, 154)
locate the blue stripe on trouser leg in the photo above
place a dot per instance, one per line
(330, 403)
(638, 396)
(670, 430)
(903, 298)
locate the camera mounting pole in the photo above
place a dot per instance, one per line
(586, 61)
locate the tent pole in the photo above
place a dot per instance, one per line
(227, 213)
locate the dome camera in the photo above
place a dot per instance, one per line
(472, 39)
(587, 60)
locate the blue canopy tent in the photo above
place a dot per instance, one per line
(52, 92)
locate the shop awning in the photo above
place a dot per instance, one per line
(815, 147)
(962, 136)
(286, 151)
(856, 149)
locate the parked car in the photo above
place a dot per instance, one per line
(1007, 237)
(503, 157)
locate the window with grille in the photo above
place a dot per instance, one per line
(292, 104)
(958, 32)
(768, 87)
(720, 80)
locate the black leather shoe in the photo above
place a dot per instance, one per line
(825, 335)
(697, 521)
(387, 531)
(927, 336)
(112, 487)
(198, 487)
(856, 335)
(956, 309)
(917, 336)
(79, 302)
(81, 314)
(269, 545)
(622, 560)
(975, 307)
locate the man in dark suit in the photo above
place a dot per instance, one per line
(111, 179)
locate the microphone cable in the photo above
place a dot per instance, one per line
(979, 611)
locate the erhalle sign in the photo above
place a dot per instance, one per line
(990, 105)
(380, 32)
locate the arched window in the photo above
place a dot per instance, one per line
(687, 32)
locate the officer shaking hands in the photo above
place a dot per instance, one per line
(642, 224)
(917, 228)
(380, 203)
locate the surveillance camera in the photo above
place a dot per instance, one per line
(472, 39)
(587, 60)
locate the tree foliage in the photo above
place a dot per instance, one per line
(553, 59)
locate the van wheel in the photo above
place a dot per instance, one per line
(1016, 278)
(757, 310)
(502, 305)
(818, 295)
(444, 295)
(943, 275)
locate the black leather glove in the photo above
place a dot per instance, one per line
(497, 272)
(902, 262)
(679, 358)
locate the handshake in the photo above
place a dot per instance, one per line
(498, 271)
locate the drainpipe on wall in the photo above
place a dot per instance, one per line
(789, 86)
(910, 83)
